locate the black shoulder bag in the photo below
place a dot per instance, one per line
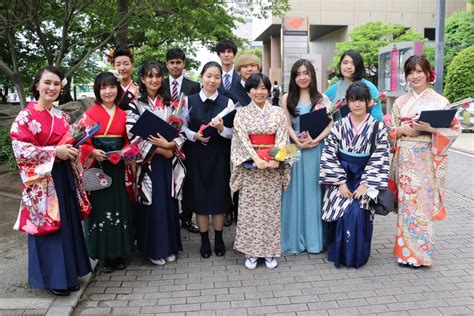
(384, 203)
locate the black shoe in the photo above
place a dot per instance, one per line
(59, 292)
(106, 268)
(190, 226)
(205, 250)
(119, 264)
(219, 248)
(404, 264)
(74, 288)
(228, 219)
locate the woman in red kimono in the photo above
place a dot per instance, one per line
(108, 229)
(53, 200)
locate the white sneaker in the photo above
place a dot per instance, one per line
(170, 258)
(158, 262)
(271, 262)
(251, 263)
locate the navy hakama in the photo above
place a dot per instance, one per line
(56, 261)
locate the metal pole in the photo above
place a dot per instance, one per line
(439, 40)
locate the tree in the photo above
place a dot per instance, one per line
(67, 33)
(368, 38)
(459, 34)
(459, 81)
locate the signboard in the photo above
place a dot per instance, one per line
(295, 43)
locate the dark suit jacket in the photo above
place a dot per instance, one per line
(188, 87)
(236, 92)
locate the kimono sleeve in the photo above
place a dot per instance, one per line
(34, 161)
(443, 138)
(147, 150)
(331, 171)
(375, 174)
(241, 147)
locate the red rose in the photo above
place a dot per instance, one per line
(114, 158)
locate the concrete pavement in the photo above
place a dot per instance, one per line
(302, 284)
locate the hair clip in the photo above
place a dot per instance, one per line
(117, 75)
(64, 82)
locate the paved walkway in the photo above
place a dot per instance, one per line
(306, 283)
(302, 284)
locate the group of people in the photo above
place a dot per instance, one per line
(319, 201)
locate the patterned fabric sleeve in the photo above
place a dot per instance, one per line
(445, 137)
(331, 171)
(376, 171)
(147, 150)
(241, 148)
(281, 136)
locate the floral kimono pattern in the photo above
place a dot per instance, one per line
(419, 169)
(34, 134)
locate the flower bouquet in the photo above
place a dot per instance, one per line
(80, 131)
(285, 154)
(129, 152)
(462, 104)
(335, 106)
(175, 119)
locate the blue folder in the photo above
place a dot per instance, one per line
(314, 122)
(438, 118)
(150, 124)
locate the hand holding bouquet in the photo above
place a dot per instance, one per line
(175, 119)
(128, 152)
(81, 130)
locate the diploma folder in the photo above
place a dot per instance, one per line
(314, 122)
(229, 119)
(438, 118)
(150, 124)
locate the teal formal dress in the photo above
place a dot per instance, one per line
(301, 224)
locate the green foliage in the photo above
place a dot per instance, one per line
(255, 51)
(6, 150)
(459, 34)
(368, 38)
(460, 81)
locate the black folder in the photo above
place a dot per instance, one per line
(210, 132)
(229, 119)
(438, 118)
(314, 122)
(150, 124)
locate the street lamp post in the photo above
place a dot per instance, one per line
(439, 40)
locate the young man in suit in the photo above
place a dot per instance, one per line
(226, 51)
(176, 84)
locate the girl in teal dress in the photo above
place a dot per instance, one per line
(301, 224)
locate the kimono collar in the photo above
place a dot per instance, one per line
(109, 111)
(262, 110)
(419, 95)
(55, 112)
(204, 97)
(156, 103)
(125, 88)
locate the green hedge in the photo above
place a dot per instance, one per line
(459, 80)
(6, 150)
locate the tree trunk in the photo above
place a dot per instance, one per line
(122, 31)
(20, 90)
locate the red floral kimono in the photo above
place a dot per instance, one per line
(34, 134)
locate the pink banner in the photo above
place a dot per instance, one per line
(394, 70)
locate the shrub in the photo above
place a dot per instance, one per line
(459, 80)
(6, 150)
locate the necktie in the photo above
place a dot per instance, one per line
(227, 81)
(174, 92)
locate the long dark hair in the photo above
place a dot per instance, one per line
(107, 79)
(359, 72)
(143, 72)
(294, 91)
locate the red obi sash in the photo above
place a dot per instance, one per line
(263, 144)
(262, 140)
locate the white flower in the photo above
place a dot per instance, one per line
(34, 126)
(22, 117)
(117, 75)
(64, 82)
(15, 128)
(103, 182)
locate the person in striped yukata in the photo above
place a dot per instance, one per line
(353, 173)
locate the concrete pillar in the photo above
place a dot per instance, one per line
(266, 56)
(275, 62)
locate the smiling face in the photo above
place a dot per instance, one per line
(358, 108)
(49, 88)
(175, 67)
(418, 79)
(124, 66)
(211, 80)
(259, 94)
(153, 81)
(303, 77)
(347, 67)
(108, 93)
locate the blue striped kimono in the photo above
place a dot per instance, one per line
(346, 159)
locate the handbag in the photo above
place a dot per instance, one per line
(385, 202)
(96, 179)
